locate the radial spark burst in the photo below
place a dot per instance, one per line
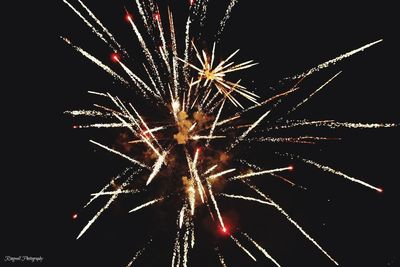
(192, 149)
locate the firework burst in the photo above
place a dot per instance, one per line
(195, 143)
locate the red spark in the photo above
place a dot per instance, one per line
(157, 16)
(74, 126)
(290, 168)
(380, 190)
(224, 231)
(191, 2)
(115, 57)
(74, 216)
(128, 17)
(198, 150)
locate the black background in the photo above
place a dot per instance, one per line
(51, 169)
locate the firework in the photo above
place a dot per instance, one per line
(196, 141)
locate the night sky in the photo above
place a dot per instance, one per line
(57, 168)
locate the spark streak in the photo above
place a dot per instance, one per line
(261, 249)
(291, 221)
(242, 247)
(331, 170)
(335, 60)
(251, 174)
(96, 61)
(249, 129)
(157, 167)
(215, 206)
(120, 154)
(146, 204)
(245, 198)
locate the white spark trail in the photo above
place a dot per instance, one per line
(96, 61)
(90, 113)
(186, 244)
(141, 12)
(120, 154)
(225, 19)
(147, 53)
(291, 220)
(220, 257)
(97, 215)
(335, 60)
(215, 122)
(261, 249)
(138, 82)
(199, 137)
(137, 254)
(313, 93)
(176, 255)
(96, 195)
(103, 27)
(331, 170)
(251, 174)
(187, 45)
(175, 72)
(215, 206)
(196, 175)
(112, 198)
(146, 204)
(116, 192)
(245, 198)
(192, 237)
(157, 167)
(181, 216)
(242, 247)
(210, 169)
(211, 177)
(249, 129)
(94, 30)
(334, 124)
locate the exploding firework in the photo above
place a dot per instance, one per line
(188, 157)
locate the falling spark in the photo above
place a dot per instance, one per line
(225, 18)
(335, 60)
(196, 175)
(251, 174)
(245, 198)
(313, 93)
(96, 61)
(115, 192)
(199, 137)
(292, 221)
(210, 169)
(157, 167)
(181, 216)
(89, 25)
(105, 30)
(97, 215)
(215, 206)
(220, 257)
(261, 249)
(146, 204)
(192, 237)
(120, 154)
(137, 254)
(212, 177)
(91, 113)
(331, 170)
(176, 255)
(215, 123)
(242, 247)
(250, 129)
